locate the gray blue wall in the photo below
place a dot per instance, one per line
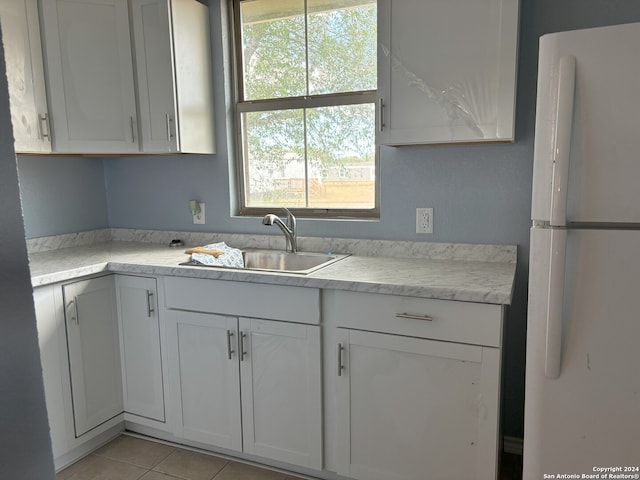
(480, 193)
(25, 446)
(62, 194)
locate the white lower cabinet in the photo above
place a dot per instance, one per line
(140, 344)
(410, 408)
(275, 364)
(404, 388)
(79, 353)
(246, 384)
(413, 387)
(281, 396)
(94, 352)
(203, 364)
(53, 350)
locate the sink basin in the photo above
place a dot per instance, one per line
(279, 261)
(299, 262)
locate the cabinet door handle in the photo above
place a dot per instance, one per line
(43, 120)
(340, 365)
(150, 309)
(242, 350)
(230, 350)
(74, 315)
(381, 113)
(168, 121)
(414, 317)
(133, 134)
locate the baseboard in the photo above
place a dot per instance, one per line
(512, 445)
(63, 461)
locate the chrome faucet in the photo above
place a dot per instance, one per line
(289, 229)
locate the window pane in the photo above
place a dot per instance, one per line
(341, 156)
(274, 158)
(342, 46)
(273, 49)
(294, 155)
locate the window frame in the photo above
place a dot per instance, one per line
(301, 102)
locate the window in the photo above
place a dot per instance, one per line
(306, 73)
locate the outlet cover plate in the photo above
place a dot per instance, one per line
(424, 220)
(198, 218)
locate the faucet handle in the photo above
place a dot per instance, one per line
(291, 219)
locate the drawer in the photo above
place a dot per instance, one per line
(276, 302)
(463, 322)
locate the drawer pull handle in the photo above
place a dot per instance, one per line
(150, 309)
(132, 124)
(414, 317)
(230, 351)
(44, 126)
(243, 352)
(168, 121)
(74, 314)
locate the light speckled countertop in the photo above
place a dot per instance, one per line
(462, 280)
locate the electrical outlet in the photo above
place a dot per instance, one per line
(424, 220)
(198, 218)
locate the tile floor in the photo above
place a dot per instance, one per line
(131, 458)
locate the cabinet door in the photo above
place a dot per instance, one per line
(90, 75)
(447, 70)
(203, 362)
(140, 344)
(94, 353)
(174, 76)
(154, 70)
(281, 395)
(410, 408)
(53, 357)
(25, 75)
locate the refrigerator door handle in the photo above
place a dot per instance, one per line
(562, 140)
(553, 350)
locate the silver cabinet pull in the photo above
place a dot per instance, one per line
(74, 315)
(242, 350)
(43, 119)
(230, 350)
(414, 317)
(150, 309)
(340, 365)
(381, 110)
(133, 134)
(168, 121)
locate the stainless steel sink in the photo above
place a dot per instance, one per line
(278, 261)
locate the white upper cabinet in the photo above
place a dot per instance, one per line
(90, 76)
(173, 67)
(25, 75)
(446, 71)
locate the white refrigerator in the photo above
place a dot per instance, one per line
(582, 397)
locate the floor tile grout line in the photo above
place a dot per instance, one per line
(131, 463)
(94, 454)
(226, 465)
(229, 460)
